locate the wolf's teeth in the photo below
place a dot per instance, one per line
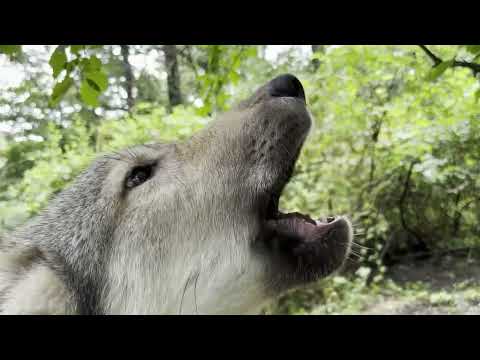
(321, 221)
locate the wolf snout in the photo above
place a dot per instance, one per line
(286, 85)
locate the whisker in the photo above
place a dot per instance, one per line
(355, 254)
(132, 154)
(118, 153)
(361, 246)
(353, 261)
(354, 251)
(183, 294)
(151, 146)
(116, 159)
(195, 292)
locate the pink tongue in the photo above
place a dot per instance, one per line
(298, 216)
(299, 224)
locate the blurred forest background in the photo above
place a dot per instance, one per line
(396, 146)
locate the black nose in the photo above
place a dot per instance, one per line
(286, 85)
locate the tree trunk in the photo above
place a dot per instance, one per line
(317, 49)
(457, 218)
(173, 76)
(129, 79)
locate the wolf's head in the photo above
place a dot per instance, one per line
(194, 227)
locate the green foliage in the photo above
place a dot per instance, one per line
(12, 51)
(339, 295)
(347, 295)
(438, 70)
(223, 63)
(93, 79)
(43, 169)
(58, 60)
(60, 89)
(473, 49)
(149, 123)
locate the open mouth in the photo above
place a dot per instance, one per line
(314, 248)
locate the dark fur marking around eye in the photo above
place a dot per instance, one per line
(139, 174)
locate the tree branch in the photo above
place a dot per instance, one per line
(436, 60)
(456, 63)
(187, 55)
(128, 73)
(472, 66)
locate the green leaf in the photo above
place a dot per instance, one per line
(88, 94)
(251, 51)
(477, 95)
(99, 78)
(59, 90)
(58, 60)
(76, 48)
(438, 70)
(69, 66)
(93, 85)
(91, 64)
(10, 49)
(234, 77)
(473, 49)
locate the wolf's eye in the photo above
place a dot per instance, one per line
(139, 175)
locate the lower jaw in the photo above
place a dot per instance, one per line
(307, 250)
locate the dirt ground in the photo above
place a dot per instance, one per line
(452, 277)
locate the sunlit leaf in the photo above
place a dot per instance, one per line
(251, 51)
(234, 77)
(88, 94)
(76, 49)
(10, 50)
(60, 89)
(99, 78)
(70, 66)
(58, 60)
(438, 70)
(91, 64)
(473, 49)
